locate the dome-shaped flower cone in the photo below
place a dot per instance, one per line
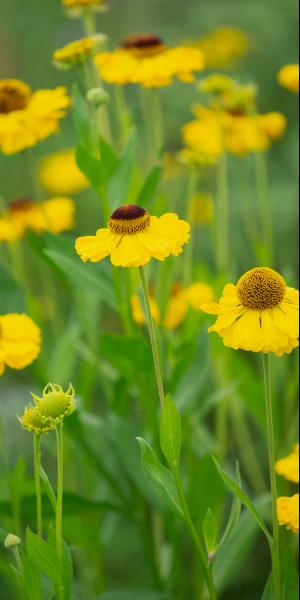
(32, 421)
(55, 404)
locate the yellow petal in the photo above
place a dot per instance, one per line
(96, 247)
(129, 253)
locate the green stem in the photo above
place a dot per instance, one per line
(89, 23)
(271, 452)
(195, 537)
(264, 203)
(153, 340)
(59, 495)
(16, 554)
(37, 482)
(188, 255)
(222, 217)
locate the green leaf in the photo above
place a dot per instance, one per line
(43, 556)
(12, 296)
(161, 478)
(96, 278)
(245, 500)
(119, 183)
(170, 432)
(91, 166)
(81, 116)
(234, 513)
(48, 488)
(67, 571)
(210, 530)
(32, 580)
(149, 186)
(108, 157)
(289, 580)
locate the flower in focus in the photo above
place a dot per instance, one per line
(55, 404)
(288, 77)
(181, 299)
(222, 46)
(20, 341)
(260, 313)
(28, 117)
(289, 466)
(75, 52)
(203, 137)
(201, 209)
(288, 512)
(32, 421)
(59, 174)
(133, 237)
(146, 61)
(54, 215)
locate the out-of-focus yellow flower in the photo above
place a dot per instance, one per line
(240, 99)
(77, 8)
(133, 237)
(216, 84)
(203, 137)
(222, 46)
(288, 77)
(273, 124)
(28, 117)
(58, 174)
(289, 466)
(259, 314)
(243, 134)
(75, 52)
(20, 341)
(181, 299)
(201, 210)
(146, 61)
(288, 512)
(55, 215)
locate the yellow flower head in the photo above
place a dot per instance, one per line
(76, 8)
(289, 466)
(181, 299)
(146, 61)
(244, 134)
(32, 421)
(20, 341)
(288, 77)
(260, 313)
(55, 404)
(273, 124)
(59, 174)
(75, 52)
(216, 84)
(201, 209)
(133, 237)
(54, 215)
(203, 137)
(222, 46)
(27, 117)
(288, 512)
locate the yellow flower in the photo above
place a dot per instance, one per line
(288, 77)
(222, 46)
(32, 421)
(199, 293)
(55, 404)
(133, 237)
(178, 304)
(75, 52)
(289, 466)
(201, 210)
(203, 137)
(20, 341)
(78, 7)
(244, 134)
(146, 61)
(59, 174)
(54, 215)
(273, 124)
(259, 313)
(27, 117)
(288, 512)
(216, 84)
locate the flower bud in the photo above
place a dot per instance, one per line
(32, 421)
(97, 96)
(55, 404)
(11, 540)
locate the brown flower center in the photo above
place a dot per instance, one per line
(144, 45)
(14, 95)
(261, 289)
(20, 205)
(129, 219)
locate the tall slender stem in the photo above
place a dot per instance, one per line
(222, 221)
(271, 452)
(194, 535)
(37, 483)
(264, 203)
(59, 495)
(153, 340)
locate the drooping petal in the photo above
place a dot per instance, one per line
(245, 333)
(96, 247)
(129, 253)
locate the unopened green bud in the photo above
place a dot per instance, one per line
(97, 96)
(11, 540)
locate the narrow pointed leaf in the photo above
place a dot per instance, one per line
(170, 432)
